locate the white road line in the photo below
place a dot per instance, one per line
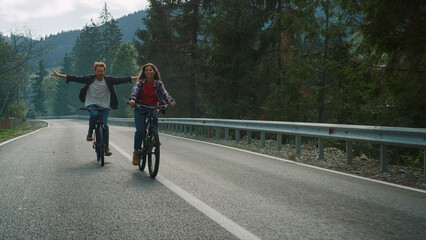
(305, 165)
(259, 154)
(13, 139)
(220, 219)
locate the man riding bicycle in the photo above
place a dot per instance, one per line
(98, 92)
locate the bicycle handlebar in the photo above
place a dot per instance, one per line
(140, 105)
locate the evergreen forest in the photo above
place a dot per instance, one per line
(326, 61)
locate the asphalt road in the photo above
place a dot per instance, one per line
(52, 187)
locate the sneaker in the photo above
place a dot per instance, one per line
(89, 136)
(107, 151)
(135, 158)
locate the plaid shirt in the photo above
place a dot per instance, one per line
(159, 89)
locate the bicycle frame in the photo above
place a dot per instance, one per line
(150, 144)
(98, 143)
(149, 119)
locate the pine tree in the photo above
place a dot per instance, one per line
(86, 50)
(187, 24)
(280, 62)
(110, 36)
(67, 93)
(158, 45)
(391, 43)
(231, 87)
(124, 64)
(39, 97)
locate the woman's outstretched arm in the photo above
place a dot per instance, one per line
(55, 74)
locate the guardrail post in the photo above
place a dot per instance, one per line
(237, 135)
(248, 137)
(196, 131)
(279, 141)
(349, 147)
(185, 130)
(226, 134)
(298, 145)
(321, 148)
(202, 131)
(217, 133)
(262, 139)
(384, 158)
(424, 164)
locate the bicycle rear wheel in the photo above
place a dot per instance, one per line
(153, 152)
(100, 149)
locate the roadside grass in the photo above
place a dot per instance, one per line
(21, 129)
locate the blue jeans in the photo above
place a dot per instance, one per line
(140, 115)
(104, 117)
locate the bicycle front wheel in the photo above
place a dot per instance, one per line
(153, 152)
(100, 146)
(96, 146)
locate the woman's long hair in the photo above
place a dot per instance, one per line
(156, 72)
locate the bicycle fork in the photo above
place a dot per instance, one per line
(147, 135)
(97, 127)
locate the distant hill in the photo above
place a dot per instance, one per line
(130, 23)
(63, 42)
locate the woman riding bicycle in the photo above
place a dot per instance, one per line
(148, 90)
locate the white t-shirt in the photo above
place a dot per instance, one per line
(99, 94)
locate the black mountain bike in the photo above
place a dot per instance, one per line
(98, 142)
(151, 142)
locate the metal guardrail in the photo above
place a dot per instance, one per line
(383, 136)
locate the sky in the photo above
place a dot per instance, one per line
(45, 17)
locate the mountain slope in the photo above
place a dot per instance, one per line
(63, 42)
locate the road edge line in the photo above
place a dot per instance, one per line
(231, 226)
(306, 165)
(18, 137)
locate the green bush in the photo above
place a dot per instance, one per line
(17, 110)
